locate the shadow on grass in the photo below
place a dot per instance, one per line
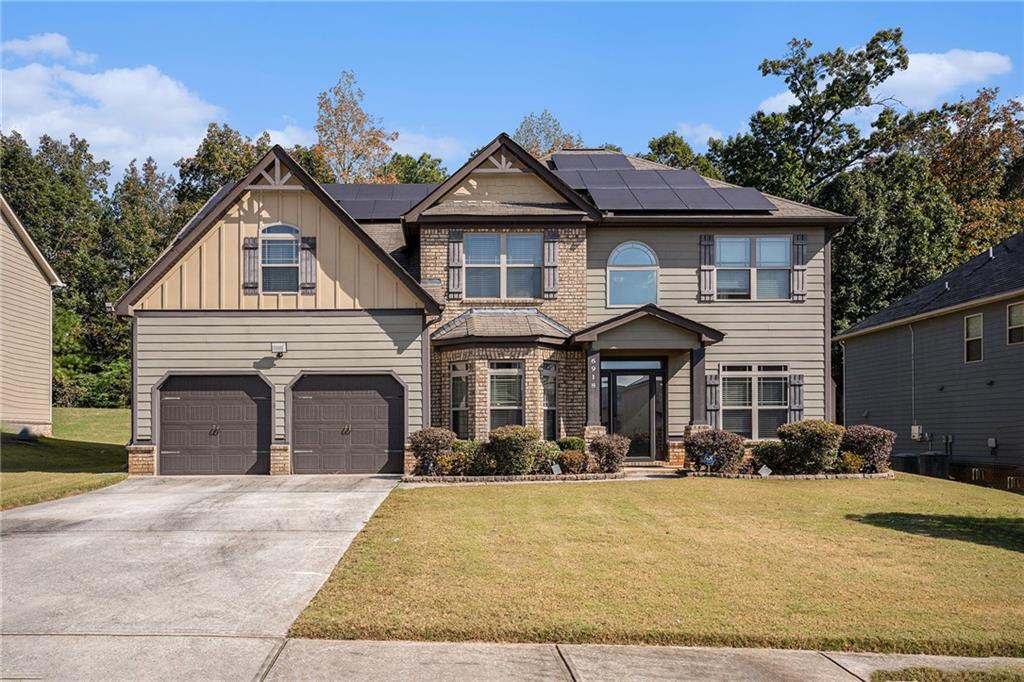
(60, 456)
(1005, 532)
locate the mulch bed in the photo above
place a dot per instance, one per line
(510, 479)
(781, 477)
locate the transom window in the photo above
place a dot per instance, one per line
(506, 393)
(973, 337)
(279, 259)
(549, 386)
(755, 400)
(503, 265)
(460, 399)
(632, 275)
(1015, 323)
(748, 268)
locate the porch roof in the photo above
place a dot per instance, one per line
(650, 312)
(501, 325)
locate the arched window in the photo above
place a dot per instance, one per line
(632, 275)
(279, 259)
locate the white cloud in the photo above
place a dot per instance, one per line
(451, 150)
(291, 135)
(777, 103)
(699, 133)
(52, 45)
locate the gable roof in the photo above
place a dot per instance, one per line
(501, 324)
(30, 246)
(996, 272)
(218, 205)
(708, 335)
(573, 200)
(367, 202)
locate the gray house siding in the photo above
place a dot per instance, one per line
(886, 386)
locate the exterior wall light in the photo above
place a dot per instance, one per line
(279, 349)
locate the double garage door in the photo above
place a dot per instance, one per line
(224, 425)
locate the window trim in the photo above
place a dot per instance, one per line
(755, 372)
(549, 370)
(1016, 326)
(754, 267)
(520, 371)
(503, 266)
(980, 338)
(295, 236)
(609, 268)
(458, 370)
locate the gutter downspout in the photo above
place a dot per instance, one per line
(842, 346)
(913, 379)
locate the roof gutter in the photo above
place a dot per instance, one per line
(728, 220)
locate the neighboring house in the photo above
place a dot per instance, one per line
(26, 342)
(944, 367)
(294, 327)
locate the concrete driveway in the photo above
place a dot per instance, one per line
(196, 577)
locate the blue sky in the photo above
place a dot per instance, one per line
(144, 79)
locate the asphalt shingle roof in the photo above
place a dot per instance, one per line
(501, 322)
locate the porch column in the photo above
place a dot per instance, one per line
(698, 387)
(593, 386)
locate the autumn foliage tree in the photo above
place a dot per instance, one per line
(352, 142)
(542, 134)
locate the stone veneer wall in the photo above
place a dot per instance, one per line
(571, 386)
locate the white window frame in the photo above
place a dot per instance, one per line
(295, 236)
(754, 267)
(458, 370)
(755, 373)
(1014, 326)
(609, 269)
(503, 266)
(980, 339)
(518, 371)
(549, 371)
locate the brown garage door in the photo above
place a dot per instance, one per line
(215, 425)
(347, 424)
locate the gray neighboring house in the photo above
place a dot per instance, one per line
(26, 311)
(944, 368)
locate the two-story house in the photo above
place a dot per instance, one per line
(294, 327)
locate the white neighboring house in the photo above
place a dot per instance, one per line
(26, 323)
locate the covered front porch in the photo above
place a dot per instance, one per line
(646, 380)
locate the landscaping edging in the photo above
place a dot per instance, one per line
(511, 479)
(686, 473)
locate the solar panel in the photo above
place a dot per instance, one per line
(342, 191)
(572, 162)
(360, 209)
(614, 199)
(601, 178)
(702, 200)
(658, 199)
(376, 191)
(413, 192)
(639, 179)
(571, 178)
(746, 199)
(610, 162)
(683, 179)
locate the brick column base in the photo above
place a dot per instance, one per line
(676, 453)
(280, 460)
(141, 460)
(592, 431)
(409, 461)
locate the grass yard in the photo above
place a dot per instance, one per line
(935, 675)
(910, 565)
(85, 453)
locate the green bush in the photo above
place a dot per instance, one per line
(572, 443)
(724, 448)
(573, 461)
(512, 449)
(850, 463)
(812, 446)
(872, 443)
(545, 453)
(609, 452)
(770, 453)
(108, 386)
(450, 464)
(428, 445)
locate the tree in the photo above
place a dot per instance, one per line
(426, 168)
(542, 134)
(672, 150)
(354, 144)
(142, 225)
(224, 155)
(313, 162)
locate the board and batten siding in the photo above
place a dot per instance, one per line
(887, 386)
(25, 336)
(756, 332)
(375, 341)
(209, 276)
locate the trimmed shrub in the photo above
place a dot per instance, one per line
(572, 443)
(545, 453)
(609, 451)
(812, 446)
(770, 453)
(475, 460)
(512, 449)
(850, 463)
(872, 443)
(450, 464)
(573, 461)
(724, 447)
(427, 445)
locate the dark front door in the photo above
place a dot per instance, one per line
(633, 404)
(214, 425)
(347, 424)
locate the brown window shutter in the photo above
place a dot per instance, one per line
(707, 268)
(550, 263)
(455, 262)
(250, 265)
(800, 267)
(712, 403)
(307, 266)
(796, 397)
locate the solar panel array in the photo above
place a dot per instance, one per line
(615, 185)
(378, 202)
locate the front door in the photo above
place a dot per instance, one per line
(633, 404)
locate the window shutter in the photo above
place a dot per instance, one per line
(307, 266)
(707, 268)
(800, 267)
(713, 406)
(250, 265)
(550, 263)
(455, 261)
(796, 397)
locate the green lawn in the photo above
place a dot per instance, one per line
(85, 453)
(911, 565)
(935, 675)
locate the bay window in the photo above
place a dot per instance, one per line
(503, 265)
(460, 399)
(549, 387)
(506, 394)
